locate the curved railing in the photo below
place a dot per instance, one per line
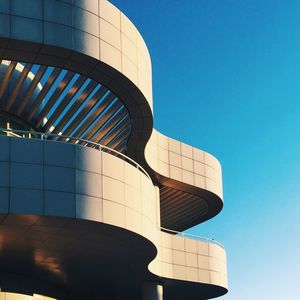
(74, 140)
(192, 236)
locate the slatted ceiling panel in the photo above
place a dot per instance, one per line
(170, 209)
(175, 213)
(180, 200)
(121, 146)
(82, 115)
(183, 222)
(44, 91)
(61, 118)
(53, 99)
(116, 131)
(100, 121)
(75, 107)
(187, 213)
(108, 126)
(5, 80)
(167, 192)
(17, 87)
(168, 202)
(65, 103)
(68, 88)
(36, 80)
(91, 119)
(119, 138)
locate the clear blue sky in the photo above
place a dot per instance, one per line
(226, 78)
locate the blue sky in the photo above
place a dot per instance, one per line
(226, 79)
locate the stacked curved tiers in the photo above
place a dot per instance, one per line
(78, 222)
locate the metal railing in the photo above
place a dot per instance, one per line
(192, 236)
(73, 140)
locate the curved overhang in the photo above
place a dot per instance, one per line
(190, 267)
(75, 217)
(190, 181)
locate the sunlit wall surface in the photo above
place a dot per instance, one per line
(93, 201)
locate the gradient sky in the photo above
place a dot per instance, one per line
(226, 79)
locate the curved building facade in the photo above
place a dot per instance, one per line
(94, 202)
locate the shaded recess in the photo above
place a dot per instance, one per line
(41, 255)
(183, 206)
(58, 101)
(175, 213)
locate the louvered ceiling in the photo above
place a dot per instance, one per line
(54, 100)
(180, 210)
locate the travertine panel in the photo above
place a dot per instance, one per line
(202, 248)
(113, 190)
(133, 220)
(87, 159)
(86, 21)
(191, 260)
(110, 13)
(113, 167)
(129, 68)
(88, 183)
(110, 34)
(191, 245)
(186, 259)
(113, 213)
(128, 28)
(27, 29)
(179, 272)
(192, 274)
(132, 198)
(26, 201)
(167, 270)
(111, 55)
(178, 243)
(129, 49)
(204, 276)
(88, 207)
(132, 177)
(203, 262)
(178, 257)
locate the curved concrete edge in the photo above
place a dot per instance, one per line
(178, 161)
(190, 260)
(182, 167)
(56, 179)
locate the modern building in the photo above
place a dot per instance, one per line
(93, 200)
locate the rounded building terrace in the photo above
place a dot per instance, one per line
(92, 199)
